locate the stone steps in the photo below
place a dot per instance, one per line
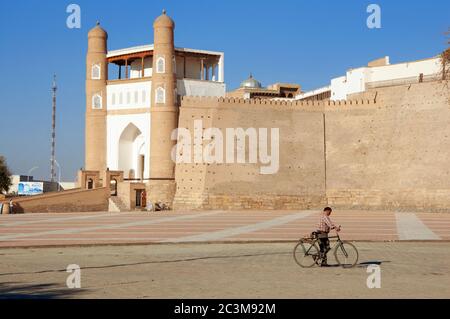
(117, 205)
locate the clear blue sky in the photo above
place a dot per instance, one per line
(306, 42)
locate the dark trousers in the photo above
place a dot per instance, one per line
(324, 245)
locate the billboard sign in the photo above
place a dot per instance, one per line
(30, 188)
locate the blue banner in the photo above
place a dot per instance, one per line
(30, 188)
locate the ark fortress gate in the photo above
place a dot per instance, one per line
(129, 119)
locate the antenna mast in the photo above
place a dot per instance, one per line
(54, 88)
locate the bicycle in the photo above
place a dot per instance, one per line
(307, 254)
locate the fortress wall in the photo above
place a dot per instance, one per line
(395, 156)
(299, 182)
(76, 200)
(392, 153)
(190, 178)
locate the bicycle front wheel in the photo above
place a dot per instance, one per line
(306, 254)
(346, 255)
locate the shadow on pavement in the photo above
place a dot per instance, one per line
(12, 290)
(359, 265)
(154, 262)
(373, 262)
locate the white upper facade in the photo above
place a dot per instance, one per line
(190, 63)
(199, 72)
(129, 99)
(361, 79)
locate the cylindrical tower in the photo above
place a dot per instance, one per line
(164, 105)
(96, 77)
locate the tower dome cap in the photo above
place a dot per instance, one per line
(164, 21)
(98, 31)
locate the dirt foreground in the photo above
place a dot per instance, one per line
(408, 270)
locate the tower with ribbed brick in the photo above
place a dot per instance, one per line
(96, 79)
(164, 110)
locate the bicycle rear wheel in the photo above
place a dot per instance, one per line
(346, 255)
(306, 254)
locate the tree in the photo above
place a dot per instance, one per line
(5, 176)
(445, 60)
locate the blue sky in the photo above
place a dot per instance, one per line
(305, 42)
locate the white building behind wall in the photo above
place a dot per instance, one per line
(378, 73)
(129, 97)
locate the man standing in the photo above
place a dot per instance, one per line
(324, 228)
(11, 206)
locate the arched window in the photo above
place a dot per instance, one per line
(160, 65)
(97, 101)
(160, 95)
(96, 70)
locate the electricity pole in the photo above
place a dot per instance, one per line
(53, 173)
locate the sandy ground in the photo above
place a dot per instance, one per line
(413, 270)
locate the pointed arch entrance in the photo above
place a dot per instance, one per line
(132, 152)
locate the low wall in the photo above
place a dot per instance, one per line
(76, 200)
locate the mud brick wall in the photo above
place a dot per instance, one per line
(386, 149)
(77, 200)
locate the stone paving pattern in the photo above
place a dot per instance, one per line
(212, 226)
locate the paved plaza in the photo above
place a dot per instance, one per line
(218, 254)
(34, 230)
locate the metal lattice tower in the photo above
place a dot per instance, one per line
(53, 173)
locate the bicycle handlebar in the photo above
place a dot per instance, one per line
(337, 233)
